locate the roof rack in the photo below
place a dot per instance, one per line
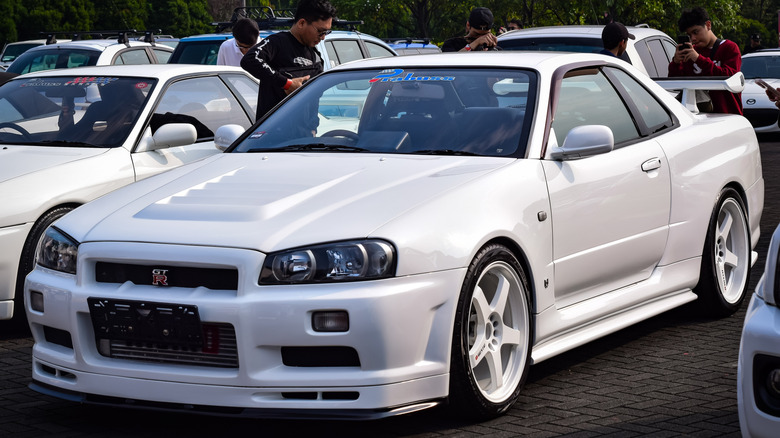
(268, 18)
(407, 40)
(120, 35)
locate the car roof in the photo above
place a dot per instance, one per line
(159, 71)
(592, 31)
(264, 33)
(99, 45)
(491, 59)
(763, 52)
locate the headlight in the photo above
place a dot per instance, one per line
(57, 251)
(340, 261)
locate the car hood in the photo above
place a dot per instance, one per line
(751, 87)
(16, 161)
(274, 201)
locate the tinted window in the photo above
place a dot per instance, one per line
(162, 55)
(651, 113)
(347, 50)
(196, 52)
(205, 102)
(333, 59)
(647, 60)
(133, 57)
(761, 67)
(375, 50)
(587, 98)
(246, 89)
(406, 111)
(49, 59)
(660, 57)
(11, 51)
(555, 44)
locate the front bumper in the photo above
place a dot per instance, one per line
(759, 350)
(400, 329)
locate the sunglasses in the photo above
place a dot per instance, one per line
(483, 28)
(322, 33)
(241, 46)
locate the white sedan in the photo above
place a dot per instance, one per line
(762, 112)
(68, 137)
(758, 377)
(483, 213)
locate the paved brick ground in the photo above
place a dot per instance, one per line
(674, 375)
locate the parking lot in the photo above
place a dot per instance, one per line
(673, 375)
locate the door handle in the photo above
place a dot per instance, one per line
(651, 164)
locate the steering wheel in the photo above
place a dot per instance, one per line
(341, 133)
(16, 128)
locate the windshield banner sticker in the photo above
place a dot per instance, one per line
(394, 75)
(88, 80)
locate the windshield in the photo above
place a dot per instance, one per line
(761, 67)
(49, 59)
(13, 50)
(406, 111)
(71, 110)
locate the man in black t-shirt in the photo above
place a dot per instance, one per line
(478, 35)
(285, 60)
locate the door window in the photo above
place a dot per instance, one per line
(133, 57)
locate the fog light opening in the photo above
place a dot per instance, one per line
(773, 382)
(330, 321)
(36, 301)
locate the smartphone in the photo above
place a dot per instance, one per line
(684, 42)
(772, 90)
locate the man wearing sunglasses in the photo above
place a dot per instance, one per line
(285, 60)
(478, 35)
(245, 35)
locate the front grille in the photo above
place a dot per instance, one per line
(334, 356)
(167, 276)
(219, 349)
(761, 117)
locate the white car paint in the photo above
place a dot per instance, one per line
(762, 112)
(605, 241)
(35, 179)
(759, 355)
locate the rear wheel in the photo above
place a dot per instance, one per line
(491, 346)
(27, 260)
(725, 267)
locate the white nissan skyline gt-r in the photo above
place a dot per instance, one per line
(69, 136)
(484, 213)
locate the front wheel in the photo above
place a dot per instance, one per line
(725, 267)
(491, 345)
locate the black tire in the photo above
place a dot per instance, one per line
(27, 260)
(725, 265)
(495, 298)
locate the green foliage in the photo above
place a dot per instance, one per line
(437, 19)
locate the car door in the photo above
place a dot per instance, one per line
(207, 103)
(610, 211)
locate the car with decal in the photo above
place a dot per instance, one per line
(482, 214)
(92, 52)
(762, 112)
(70, 136)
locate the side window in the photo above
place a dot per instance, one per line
(162, 55)
(246, 88)
(133, 57)
(587, 98)
(332, 57)
(347, 50)
(205, 102)
(659, 57)
(647, 60)
(650, 112)
(375, 50)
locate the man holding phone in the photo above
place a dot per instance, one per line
(704, 54)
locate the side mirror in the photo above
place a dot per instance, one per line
(169, 135)
(226, 135)
(584, 141)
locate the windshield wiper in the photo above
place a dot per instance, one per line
(78, 144)
(312, 147)
(444, 152)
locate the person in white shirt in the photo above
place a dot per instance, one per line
(245, 35)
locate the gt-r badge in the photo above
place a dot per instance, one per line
(159, 278)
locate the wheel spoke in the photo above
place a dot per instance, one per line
(480, 306)
(511, 336)
(730, 259)
(478, 351)
(503, 289)
(724, 229)
(496, 370)
(720, 273)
